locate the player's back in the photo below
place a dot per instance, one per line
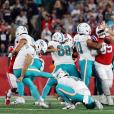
(26, 49)
(80, 42)
(78, 85)
(63, 55)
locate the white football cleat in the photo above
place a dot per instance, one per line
(69, 106)
(42, 104)
(103, 100)
(98, 105)
(19, 100)
(110, 100)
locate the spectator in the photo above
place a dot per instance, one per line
(7, 12)
(3, 50)
(46, 33)
(58, 8)
(109, 15)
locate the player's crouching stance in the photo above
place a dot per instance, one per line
(71, 89)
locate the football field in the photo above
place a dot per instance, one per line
(55, 108)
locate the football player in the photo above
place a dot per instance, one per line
(10, 75)
(25, 69)
(72, 89)
(83, 42)
(103, 64)
(62, 56)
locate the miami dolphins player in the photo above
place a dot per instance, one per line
(25, 69)
(25, 41)
(72, 89)
(84, 43)
(62, 57)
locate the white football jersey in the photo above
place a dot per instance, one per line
(29, 39)
(77, 85)
(80, 42)
(19, 61)
(63, 55)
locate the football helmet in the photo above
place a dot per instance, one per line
(84, 28)
(68, 38)
(100, 32)
(21, 30)
(58, 37)
(41, 46)
(60, 73)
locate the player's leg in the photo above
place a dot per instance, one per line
(102, 71)
(33, 89)
(86, 70)
(13, 89)
(110, 83)
(34, 72)
(47, 87)
(20, 89)
(61, 91)
(97, 81)
(49, 84)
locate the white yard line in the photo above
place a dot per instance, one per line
(19, 109)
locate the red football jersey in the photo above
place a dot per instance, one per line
(107, 56)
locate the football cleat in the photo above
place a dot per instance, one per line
(98, 105)
(41, 104)
(103, 100)
(110, 100)
(69, 106)
(19, 100)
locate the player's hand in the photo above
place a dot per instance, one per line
(20, 79)
(55, 49)
(10, 55)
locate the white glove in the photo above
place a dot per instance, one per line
(10, 55)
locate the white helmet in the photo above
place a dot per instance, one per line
(58, 36)
(84, 28)
(60, 73)
(68, 38)
(41, 45)
(21, 30)
(100, 32)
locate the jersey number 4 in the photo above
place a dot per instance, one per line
(79, 47)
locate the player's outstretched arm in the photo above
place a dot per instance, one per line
(21, 43)
(93, 45)
(51, 49)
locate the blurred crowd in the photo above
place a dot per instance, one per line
(43, 17)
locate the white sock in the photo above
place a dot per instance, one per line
(9, 94)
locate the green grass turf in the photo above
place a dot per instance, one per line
(29, 108)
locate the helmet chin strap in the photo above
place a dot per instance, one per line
(22, 33)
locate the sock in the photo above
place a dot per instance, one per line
(9, 94)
